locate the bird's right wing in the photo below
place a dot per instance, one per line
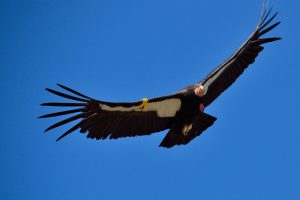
(114, 120)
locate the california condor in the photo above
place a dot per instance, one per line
(181, 112)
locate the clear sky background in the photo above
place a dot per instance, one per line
(128, 50)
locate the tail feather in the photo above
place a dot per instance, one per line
(176, 136)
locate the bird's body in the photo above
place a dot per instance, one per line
(181, 112)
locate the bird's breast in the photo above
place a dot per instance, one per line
(191, 106)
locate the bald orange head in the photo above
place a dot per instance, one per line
(199, 91)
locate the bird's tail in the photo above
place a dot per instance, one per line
(84, 108)
(183, 133)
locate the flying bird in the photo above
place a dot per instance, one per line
(182, 112)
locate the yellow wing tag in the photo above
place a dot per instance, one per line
(144, 104)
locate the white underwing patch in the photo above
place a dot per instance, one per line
(165, 108)
(211, 79)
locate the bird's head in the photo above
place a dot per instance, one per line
(199, 90)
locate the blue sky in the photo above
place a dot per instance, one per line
(128, 50)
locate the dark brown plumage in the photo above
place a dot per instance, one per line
(181, 112)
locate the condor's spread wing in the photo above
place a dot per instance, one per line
(224, 75)
(114, 120)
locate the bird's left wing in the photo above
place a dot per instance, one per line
(114, 120)
(224, 75)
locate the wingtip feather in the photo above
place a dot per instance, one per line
(75, 92)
